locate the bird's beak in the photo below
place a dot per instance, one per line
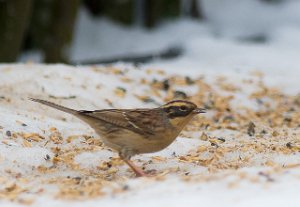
(199, 110)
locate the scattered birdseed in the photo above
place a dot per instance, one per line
(251, 129)
(204, 136)
(121, 92)
(224, 149)
(8, 133)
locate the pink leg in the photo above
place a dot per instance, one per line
(138, 171)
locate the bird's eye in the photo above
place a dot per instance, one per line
(183, 108)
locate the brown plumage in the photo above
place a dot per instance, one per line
(136, 131)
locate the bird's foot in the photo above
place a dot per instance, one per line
(138, 171)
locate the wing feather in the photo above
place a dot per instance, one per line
(140, 121)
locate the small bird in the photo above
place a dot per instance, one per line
(136, 131)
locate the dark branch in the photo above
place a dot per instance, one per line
(170, 53)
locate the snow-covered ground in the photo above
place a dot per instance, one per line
(243, 152)
(51, 158)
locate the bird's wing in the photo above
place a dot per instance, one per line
(138, 120)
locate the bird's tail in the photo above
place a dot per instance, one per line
(53, 105)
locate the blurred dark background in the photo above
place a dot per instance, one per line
(47, 25)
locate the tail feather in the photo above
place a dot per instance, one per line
(53, 105)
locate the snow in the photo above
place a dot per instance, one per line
(212, 50)
(241, 19)
(243, 187)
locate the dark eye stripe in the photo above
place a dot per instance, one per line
(176, 111)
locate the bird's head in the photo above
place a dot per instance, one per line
(180, 112)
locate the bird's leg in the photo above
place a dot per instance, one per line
(138, 171)
(125, 154)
